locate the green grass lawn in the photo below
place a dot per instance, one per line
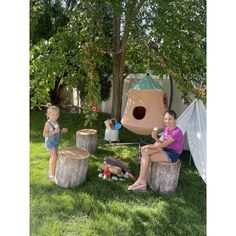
(103, 207)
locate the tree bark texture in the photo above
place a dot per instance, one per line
(87, 138)
(117, 86)
(119, 45)
(117, 65)
(164, 177)
(72, 167)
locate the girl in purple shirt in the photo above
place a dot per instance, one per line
(167, 150)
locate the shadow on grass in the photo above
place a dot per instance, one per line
(147, 213)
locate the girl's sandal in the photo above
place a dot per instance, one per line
(138, 188)
(51, 177)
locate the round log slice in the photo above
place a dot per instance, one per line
(72, 167)
(163, 177)
(87, 138)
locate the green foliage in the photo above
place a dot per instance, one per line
(53, 62)
(71, 44)
(63, 59)
(179, 41)
(105, 207)
(94, 86)
(170, 38)
(104, 70)
(46, 17)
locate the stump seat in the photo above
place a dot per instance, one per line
(72, 167)
(87, 138)
(163, 177)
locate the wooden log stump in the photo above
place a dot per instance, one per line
(164, 177)
(72, 167)
(87, 138)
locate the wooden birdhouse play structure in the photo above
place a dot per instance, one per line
(145, 107)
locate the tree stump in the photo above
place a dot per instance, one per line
(164, 177)
(87, 138)
(72, 167)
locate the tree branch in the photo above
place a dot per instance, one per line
(129, 20)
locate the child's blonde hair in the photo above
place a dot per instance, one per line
(53, 109)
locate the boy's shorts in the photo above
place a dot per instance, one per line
(52, 142)
(171, 155)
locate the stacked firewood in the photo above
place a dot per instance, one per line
(115, 169)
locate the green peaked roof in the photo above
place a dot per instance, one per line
(148, 83)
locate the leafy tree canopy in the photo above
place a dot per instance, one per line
(75, 44)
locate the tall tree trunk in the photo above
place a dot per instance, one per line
(118, 81)
(116, 59)
(119, 44)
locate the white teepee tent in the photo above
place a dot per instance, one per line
(193, 121)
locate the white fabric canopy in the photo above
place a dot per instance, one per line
(193, 121)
